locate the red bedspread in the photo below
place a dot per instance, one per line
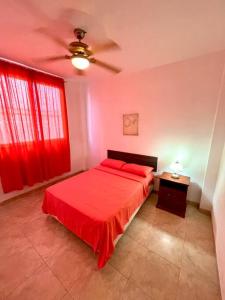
(96, 205)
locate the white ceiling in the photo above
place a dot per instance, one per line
(150, 32)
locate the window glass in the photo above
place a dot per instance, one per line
(17, 113)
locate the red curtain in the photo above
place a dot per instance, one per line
(34, 141)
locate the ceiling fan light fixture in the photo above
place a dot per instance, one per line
(80, 63)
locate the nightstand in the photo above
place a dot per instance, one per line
(173, 193)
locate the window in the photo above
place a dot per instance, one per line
(15, 110)
(34, 140)
(50, 116)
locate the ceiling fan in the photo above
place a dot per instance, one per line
(81, 54)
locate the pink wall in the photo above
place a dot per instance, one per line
(76, 107)
(216, 149)
(219, 222)
(217, 163)
(76, 94)
(176, 105)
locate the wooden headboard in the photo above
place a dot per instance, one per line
(144, 160)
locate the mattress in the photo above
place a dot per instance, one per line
(96, 205)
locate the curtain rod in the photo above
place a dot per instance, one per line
(28, 67)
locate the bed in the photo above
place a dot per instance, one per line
(97, 205)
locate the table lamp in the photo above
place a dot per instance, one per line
(176, 167)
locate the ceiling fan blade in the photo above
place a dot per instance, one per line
(52, 36)
(110, 45)
(52, 58)
(105, 65)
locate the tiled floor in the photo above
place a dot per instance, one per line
(161, 256)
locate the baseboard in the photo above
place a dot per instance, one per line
(195, 204)
(205, 211)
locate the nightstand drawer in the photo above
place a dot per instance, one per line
(173, 185)
(173, 195)
(171, 200)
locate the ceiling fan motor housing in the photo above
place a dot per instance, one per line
(79, 48)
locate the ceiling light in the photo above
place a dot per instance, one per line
(80, 63)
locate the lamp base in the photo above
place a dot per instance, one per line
(175, 176)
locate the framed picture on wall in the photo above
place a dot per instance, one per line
(130, 124)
